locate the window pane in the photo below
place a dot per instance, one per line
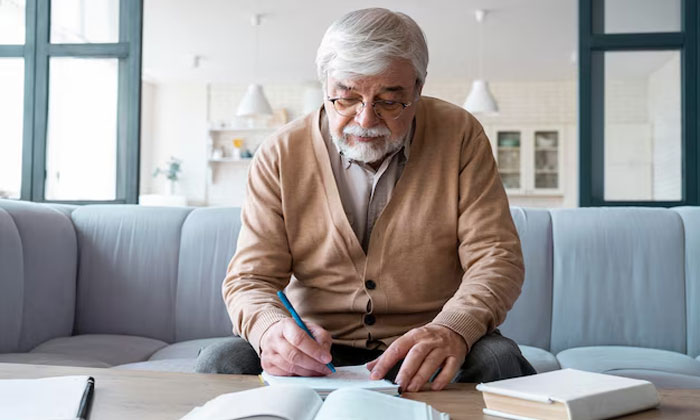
(12, 21)
(84, 21)
(640, 16)
(546, 159)
(643, 126)
(508, 148)
(11, 107)
(81, 153)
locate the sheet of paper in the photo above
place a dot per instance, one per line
(344, 377)
(45, 398)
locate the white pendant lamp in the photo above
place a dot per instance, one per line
(480, 99)
(254, 102)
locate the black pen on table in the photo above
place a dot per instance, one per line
(87, 398)
(287, 304)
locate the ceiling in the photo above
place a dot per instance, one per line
(524, 40)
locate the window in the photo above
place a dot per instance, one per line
(638, 102)
(69, 113)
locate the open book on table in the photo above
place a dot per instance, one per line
(296, 402)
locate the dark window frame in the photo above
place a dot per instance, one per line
(36, 52)
(593, 44)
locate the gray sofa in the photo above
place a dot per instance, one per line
(612, 290)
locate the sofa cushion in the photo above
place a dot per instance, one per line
(109, 349)
(691, 226)
(661, 379)
(55, 359)
(541, 360)
(619, 278)
(11, 283)
(529, 321)
(642, 362)
(164, 365)
(208, 242)
(128, 269)
(184, 349)
(38, 254)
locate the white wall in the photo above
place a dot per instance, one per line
(178, 123)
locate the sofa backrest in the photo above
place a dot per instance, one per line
(128, 264)
(594, 276)
(38, 252)
(619, 278)
(691, 226)
(153, 272)
(529, 321)
(208, 242)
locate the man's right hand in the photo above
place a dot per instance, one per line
(286, 350)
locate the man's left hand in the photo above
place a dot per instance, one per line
(424, 350)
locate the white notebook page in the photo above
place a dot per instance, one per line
(346, 376)
(45, 398)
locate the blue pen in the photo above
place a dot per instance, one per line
(298, 320)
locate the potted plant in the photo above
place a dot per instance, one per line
(171, 170)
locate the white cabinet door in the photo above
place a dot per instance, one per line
(529, 159)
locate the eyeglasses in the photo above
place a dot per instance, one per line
(386, 110)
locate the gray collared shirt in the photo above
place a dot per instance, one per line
(364, 192)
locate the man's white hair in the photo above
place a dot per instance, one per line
(365, 42)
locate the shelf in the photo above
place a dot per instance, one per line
(509, 148)
(546, 149)
(546, 171)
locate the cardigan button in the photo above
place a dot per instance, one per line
(370, 284)
(369, 319)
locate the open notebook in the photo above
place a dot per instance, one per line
(46, 398)
(344, 377)
(294, 402)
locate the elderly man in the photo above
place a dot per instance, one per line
(383, 216)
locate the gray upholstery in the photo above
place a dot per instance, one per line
(691, 226)
(619, 278)
(663, 380)
(12, 284)
(640, 362)
(529, 321)
(541, 360)
(55, 359)
(208, 242)
(184, 349)
(38, 296)
(164, 365)
(128, 269)
(613, 290)
(108, 348)
(607, 358)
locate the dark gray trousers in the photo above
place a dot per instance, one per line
(491, 358)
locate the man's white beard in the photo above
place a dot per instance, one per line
(367, 152)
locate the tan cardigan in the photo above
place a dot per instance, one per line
(444, 250)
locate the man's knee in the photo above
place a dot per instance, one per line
(492, 358)
(234, 356)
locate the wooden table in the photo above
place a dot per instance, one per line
(131, 394)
